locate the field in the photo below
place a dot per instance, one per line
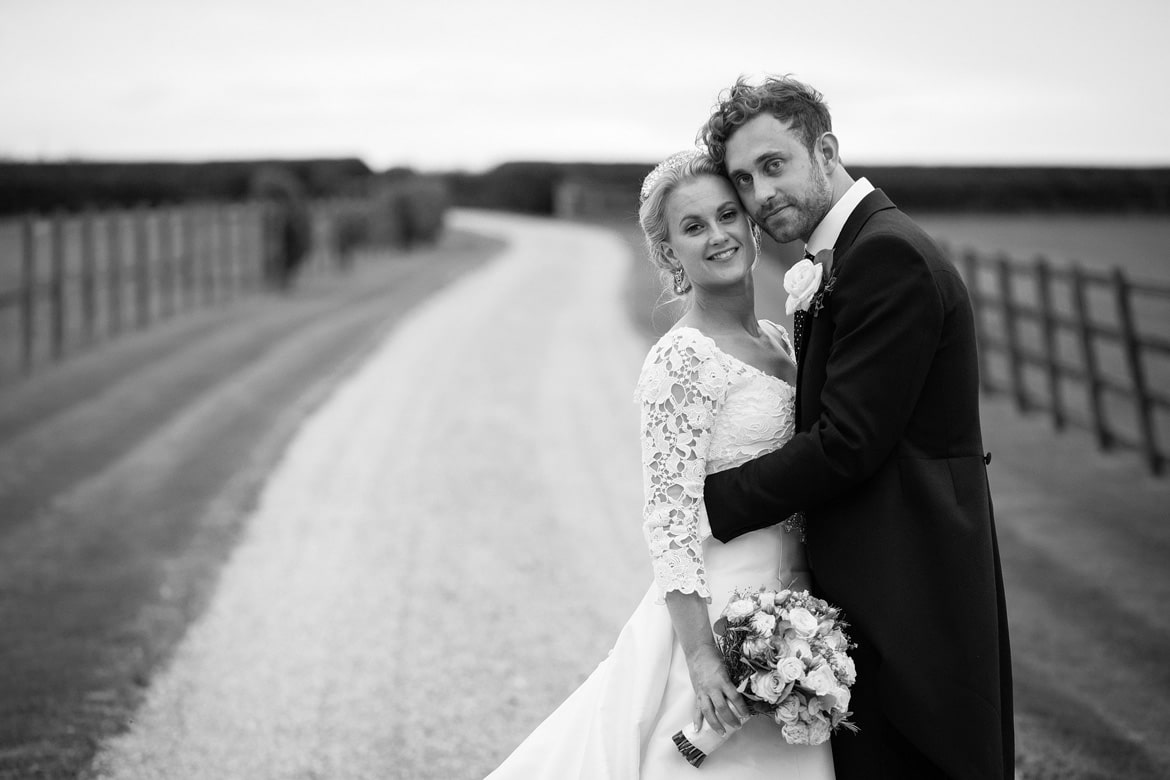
(1139, 244)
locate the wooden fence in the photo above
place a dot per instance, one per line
(68, 281)
(1089, 347)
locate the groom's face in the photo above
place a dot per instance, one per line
(782, 185)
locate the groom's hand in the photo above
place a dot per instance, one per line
(716, 700)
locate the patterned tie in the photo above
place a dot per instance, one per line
(800, 320)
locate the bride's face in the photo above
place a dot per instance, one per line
(709, 233)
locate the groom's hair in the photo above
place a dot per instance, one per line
(789, 100)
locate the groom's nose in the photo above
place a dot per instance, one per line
(763, 191)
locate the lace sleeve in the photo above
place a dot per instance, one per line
(682, 387)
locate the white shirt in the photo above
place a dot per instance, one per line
(826, 234)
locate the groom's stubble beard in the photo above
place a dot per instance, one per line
(808, 209)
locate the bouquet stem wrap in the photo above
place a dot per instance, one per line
(695, 746)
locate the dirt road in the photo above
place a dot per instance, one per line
(368, 623)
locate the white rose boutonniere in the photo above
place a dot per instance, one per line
(801, 283)
(809, 282)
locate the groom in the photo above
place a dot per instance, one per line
(888, 464)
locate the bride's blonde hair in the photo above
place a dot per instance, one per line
(668, 176)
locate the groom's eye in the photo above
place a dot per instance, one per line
(772, 166)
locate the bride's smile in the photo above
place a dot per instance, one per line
(709, 236)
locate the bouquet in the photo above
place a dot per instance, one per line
(787, 654)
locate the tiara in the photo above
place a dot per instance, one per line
(671, 164)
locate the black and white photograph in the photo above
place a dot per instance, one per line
(584, 391)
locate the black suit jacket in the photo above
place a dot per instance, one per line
(888, 467)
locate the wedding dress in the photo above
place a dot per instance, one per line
(703, 410)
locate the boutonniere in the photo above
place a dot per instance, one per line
(825, 258)
(806, 283)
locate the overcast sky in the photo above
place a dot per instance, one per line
(440, 84)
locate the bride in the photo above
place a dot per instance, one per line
(716, 391)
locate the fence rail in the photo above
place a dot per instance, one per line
(69, 281)
(1086, 346)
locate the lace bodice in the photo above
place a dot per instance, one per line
(703, 411)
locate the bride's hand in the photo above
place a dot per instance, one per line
(716, 700)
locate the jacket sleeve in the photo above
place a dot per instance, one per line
(887, 316)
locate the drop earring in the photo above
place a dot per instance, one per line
(680, 286)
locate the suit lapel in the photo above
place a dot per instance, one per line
(871, 204)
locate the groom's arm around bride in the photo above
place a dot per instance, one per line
(887, 463)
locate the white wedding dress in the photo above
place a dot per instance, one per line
(703, 410)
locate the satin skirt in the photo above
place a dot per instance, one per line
(618, 724)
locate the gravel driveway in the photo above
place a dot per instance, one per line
(449, 545)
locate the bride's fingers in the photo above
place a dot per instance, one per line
(726, 718)
(711, 715)
(737, 704)
(738, 709)
(698, 718)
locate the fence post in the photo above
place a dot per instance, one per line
(139, 219)
(971, 266)
(252, 247)
(231, 251)
(1137, 374)
(1048, 329)
(1011, 333)
(187, 258)
(267, 243)
(166, 263)
(28, 290)
(114, 272)
(207, 258)
(57, 287)
(88, 276)
(1089, 358)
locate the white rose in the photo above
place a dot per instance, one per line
(754, 648)
(835, 640)
(763, 623)
(803, 622)
(795, 733)
(801, 283)
(799, 648)
(820, 680)
(845, 669)
(767, 686)
(788, 711)
(791, 669)
(739, 609)
(837, 699)
(818, 732)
